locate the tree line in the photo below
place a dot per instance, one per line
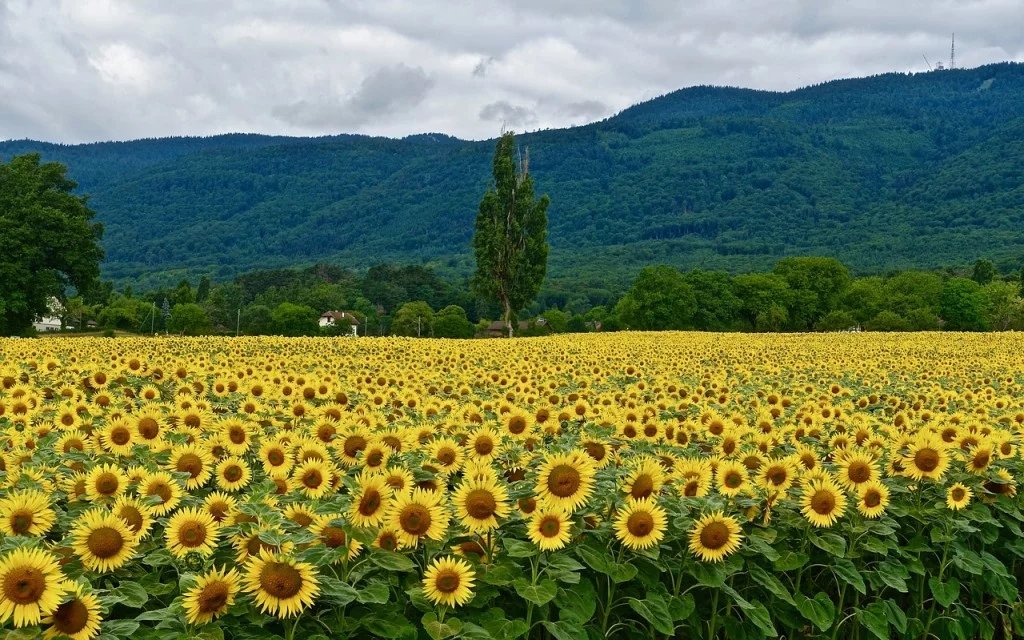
(798, 294)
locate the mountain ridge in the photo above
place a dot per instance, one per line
(884, 172)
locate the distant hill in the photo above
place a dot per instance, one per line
(891, 171)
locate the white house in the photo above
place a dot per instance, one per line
(328, 318)
(51, 321)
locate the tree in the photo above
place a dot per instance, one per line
(451, 322)
(295, 320)
(183, 293)
(660, 299)
(766, 298)
(48, 240)
(823, 279)
(188, 319)
(864, 299)
(963, 305)
(257, 320)
(510, 242)
(1002, 305)
(557, 320)
(984, 271)
(717, 304)
(203, 292)
(413, 319)
(836, 321)
(887, 321)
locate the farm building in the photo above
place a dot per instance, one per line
(330, 318)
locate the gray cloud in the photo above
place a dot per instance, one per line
(387, 92)
(511, 115)
(81, 70)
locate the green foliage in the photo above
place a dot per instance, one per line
(890, 172)
(558, 320)
(963, 305)
(188, 319)
(836, 321)
(660, 299)
(984, 271)
(413, 319)
(451, 322)
(48, 239)
(510, 242)
(888, 321)
(295, 320)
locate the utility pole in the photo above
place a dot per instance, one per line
(238, 322)
(417, 326)
(152, 319)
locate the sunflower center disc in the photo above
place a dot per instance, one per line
(105, 542)
(714, 535)
(280, 580)
(24, 585)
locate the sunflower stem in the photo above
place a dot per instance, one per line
(713, 624)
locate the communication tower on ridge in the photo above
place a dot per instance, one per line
(952, 53)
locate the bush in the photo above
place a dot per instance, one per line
(887, 321)
(836, 321)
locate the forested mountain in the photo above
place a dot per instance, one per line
(892, 171)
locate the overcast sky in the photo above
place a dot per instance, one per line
(87, 70)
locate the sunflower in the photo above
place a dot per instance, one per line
(823, 502)
(236, 434)
(194, 460)
(233, 474)
(351, 443)
(640, 524)
(274, 455)
(149, 425)
(376, 455)
(872, 499)
(565, 480)
(482, 444)
(103, 541)
(958, 496)
(857, 469)
(370, 501)
(76, 619)
(980, 457)
(446, 456)
(776, 475)
(645, 480)
(211, 595)
(327, 528)
(479, 502)
(117, 437)
(105, 481)
(163, 486)
(220, 506)
(312, 478)
(280, 585)
(416, 515)
(549, 528)
(249, 544)
(31, 586)
(191, 530)
(732, 478)
(448, 582)
(928, 458)
(26, 512)
(138, 516)
(715, 536)
(517, 424)
(387, 540)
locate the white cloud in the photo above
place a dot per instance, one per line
(82, 70)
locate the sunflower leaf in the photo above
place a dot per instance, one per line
(539, 594)
(519, 548)
(945, 593)
(818, 610)
(873, 618)
(392, 561)
(562, 630)
(440, 630)
(831, 543)
(848, 573)
(654, 609)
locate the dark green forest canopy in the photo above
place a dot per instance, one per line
(889, 172)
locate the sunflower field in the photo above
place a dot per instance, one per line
(629, 485)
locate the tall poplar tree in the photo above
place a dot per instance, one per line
(511, 234)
